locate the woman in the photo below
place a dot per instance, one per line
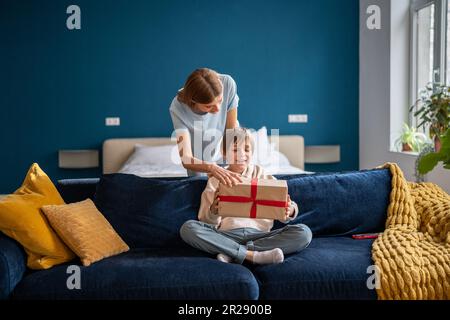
(201, 112)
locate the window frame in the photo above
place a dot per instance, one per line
(439, 50)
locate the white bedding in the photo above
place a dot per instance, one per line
(151, 171)
(154, 162)
(164, 161)
(284, 170)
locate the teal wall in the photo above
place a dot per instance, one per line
(130, 57)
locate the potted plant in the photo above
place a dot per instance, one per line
(431, 160)
(410, 139)
(433, 110)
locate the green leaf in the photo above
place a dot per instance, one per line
(428, 162)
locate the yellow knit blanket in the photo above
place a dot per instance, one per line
(413, 253)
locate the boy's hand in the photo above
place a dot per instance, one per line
(215, 204)
(289, 208)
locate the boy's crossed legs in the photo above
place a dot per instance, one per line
(247, 243)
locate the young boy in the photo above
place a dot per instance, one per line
(238, 239)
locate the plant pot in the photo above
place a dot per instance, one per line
(437, 144)
(406, 147)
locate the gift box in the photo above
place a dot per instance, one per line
(256, 198)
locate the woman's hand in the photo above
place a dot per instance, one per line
(289, 208)
(225, 176)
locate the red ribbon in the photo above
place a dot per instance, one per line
(253, 200)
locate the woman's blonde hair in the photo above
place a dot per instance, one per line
(202, 86)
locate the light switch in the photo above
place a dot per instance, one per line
(114, 121)
(298, 118)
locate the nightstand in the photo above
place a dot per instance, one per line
(323, 154)
(78, 159)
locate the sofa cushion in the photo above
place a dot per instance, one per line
(21, 219)
(330, 268)
(342, 203)
(145, 274)
(148, 213)
(12, 265)
(85, 230)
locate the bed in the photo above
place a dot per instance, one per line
(151, 157)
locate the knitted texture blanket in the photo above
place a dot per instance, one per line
(413, 254)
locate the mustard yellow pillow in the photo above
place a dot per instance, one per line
(22, 220)
(85, 230)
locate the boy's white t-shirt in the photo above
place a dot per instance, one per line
(206, 130)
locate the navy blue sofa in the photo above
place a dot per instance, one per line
(148, 213)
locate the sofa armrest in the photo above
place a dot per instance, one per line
(74, 190)
(12, 265)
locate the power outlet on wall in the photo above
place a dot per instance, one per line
(112, 121)
(298, 118)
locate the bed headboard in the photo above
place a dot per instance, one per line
(117, 151)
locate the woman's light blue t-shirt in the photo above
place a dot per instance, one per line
(206, 130)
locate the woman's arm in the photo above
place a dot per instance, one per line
(232, 121)
(191, 163)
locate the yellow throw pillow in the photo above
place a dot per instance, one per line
(22, 220)
(85, 230)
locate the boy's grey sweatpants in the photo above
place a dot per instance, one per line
(235, 243)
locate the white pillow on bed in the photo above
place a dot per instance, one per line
(272, 160)
(261, 147)
(264, 151)
(154, 161)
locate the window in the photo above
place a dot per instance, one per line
(430, 46)
(424, 46)
(448, 43)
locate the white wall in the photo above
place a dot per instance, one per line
(384, 81)
(399, 67)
